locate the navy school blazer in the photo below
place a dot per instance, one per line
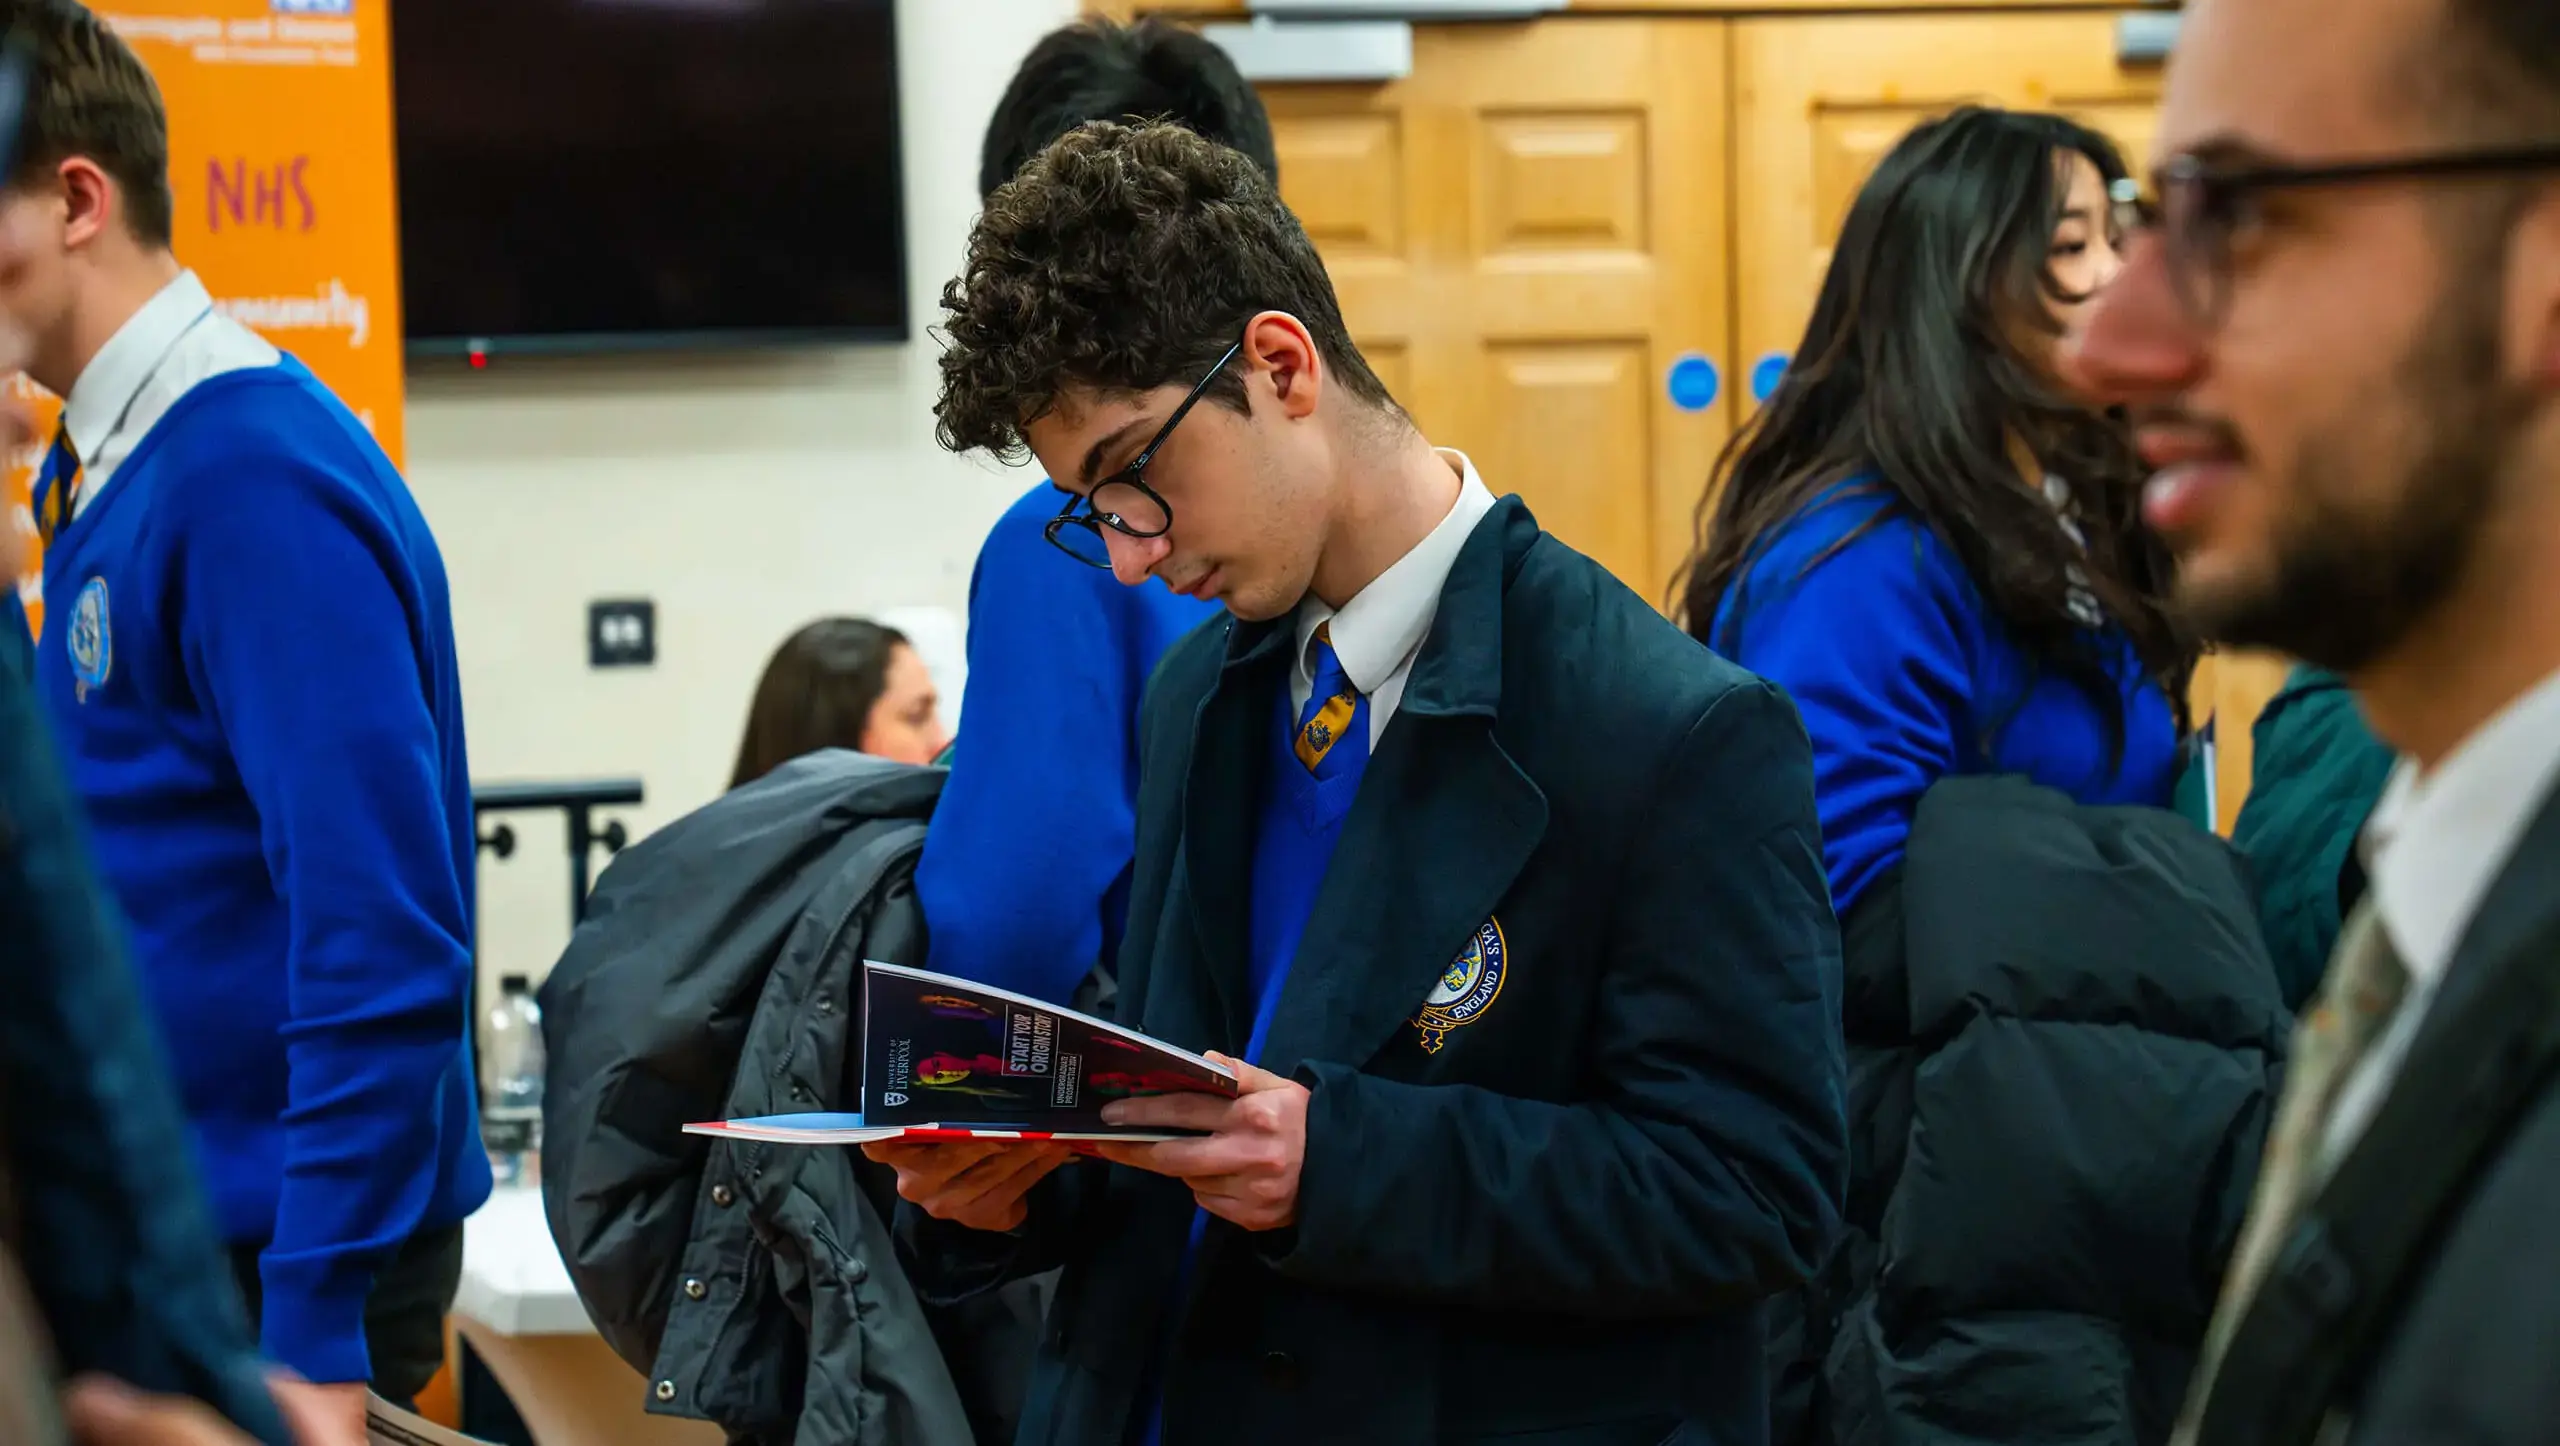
(1559, 1217)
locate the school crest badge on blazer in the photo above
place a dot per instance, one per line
(91, 642)
(1467, 988)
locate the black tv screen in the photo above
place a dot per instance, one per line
(584, 174)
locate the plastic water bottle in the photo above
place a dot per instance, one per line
(511, 1067)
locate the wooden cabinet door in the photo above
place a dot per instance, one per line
(1820, 99)
(1529, 235)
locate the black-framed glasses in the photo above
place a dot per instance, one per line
(2199, 206)
(1123, 501)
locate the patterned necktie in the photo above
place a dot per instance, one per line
(1332, 708)
(62, 464)
(2362, 991)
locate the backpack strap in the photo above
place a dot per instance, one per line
(2349, 1265)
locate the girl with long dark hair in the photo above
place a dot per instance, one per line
(1922, 535)
(841, 683)
(2060, 1022)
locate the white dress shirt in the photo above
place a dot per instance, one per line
(2434, 846)
(1379, 632)
(161, 352)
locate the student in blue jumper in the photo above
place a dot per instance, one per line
(1936, 550)
(1922, 535)
(1504, 897)
(1025, 874)
(248, 659)
(102, 1221)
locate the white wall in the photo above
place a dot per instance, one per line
(746, 494)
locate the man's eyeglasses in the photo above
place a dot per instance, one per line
(1123, 501)
(2201, 205)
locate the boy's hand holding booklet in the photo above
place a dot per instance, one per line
(944, 1059)
(976, 1094)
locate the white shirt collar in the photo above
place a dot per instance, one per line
(2436, 842)
(117, 373)
(1383, 625)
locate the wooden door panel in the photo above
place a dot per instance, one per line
(1560, 184)
(1533, 225)
(1346, 178)
(1820, 99)
(1569, 413)
(1344, 172)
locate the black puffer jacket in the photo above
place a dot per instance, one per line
(754, 1285)
(2065, 1041)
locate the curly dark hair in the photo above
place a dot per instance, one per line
(1122, 259)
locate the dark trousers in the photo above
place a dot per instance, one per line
(403, 1318)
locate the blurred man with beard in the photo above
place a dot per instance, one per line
(2340, 333)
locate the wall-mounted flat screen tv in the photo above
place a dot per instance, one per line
(582, 175)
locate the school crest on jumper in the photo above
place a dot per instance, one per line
(1467, 988)
(91, 643)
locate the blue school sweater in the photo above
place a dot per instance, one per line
(1025, 875)
(248, 658)
(1295, 833)
(1903, 675)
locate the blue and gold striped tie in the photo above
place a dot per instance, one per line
(1333, 709)
(62, 464)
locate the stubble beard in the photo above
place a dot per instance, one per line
(2357, 570)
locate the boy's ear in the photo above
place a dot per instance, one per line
(1279, 351)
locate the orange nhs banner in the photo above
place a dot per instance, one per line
(281, 157)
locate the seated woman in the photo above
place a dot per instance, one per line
(842, 683)
(1936, 550)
